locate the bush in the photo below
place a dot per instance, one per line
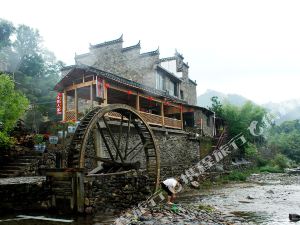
(238, 176)
(281, 161)
(5, 141)
(251, 151)
(38, 138)
(271, 169)
(261, 162)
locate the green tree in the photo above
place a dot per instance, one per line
(28, 41)
(35, 71)
(13, 106)
(6, 30)
(285, 139)
(216, 106)
(239, 119)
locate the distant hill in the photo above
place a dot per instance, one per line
(287, 110)
(204, 99)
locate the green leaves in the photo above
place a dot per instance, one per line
(12, 107)
(13, 103)
(35, 70)
(6, 30)
(285, 138)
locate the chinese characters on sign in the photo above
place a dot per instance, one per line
(59, 104)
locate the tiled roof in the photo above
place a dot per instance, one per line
(118, 79)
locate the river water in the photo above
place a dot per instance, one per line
(264, 199)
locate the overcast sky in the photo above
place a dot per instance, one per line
(250, 47)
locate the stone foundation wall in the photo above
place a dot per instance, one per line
(23, 193)
(117, 191)
(177, 152)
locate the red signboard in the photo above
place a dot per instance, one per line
(59, 104)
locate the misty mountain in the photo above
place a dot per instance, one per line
(286, 110)
(204, 99)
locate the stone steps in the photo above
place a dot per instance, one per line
(17, 167)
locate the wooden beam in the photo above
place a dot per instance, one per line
(162, 113)
(181, 117)
(137, 104)
(84, 84)
(154, 99)
(91, 92)
(122, 89)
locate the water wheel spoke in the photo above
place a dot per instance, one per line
(105, 141)
(113, 139)
(120, 134)
(131, 150)
(127, 136)
(140, 150)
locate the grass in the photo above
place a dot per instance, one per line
(275, 166)
(206, 208)
(271, 169)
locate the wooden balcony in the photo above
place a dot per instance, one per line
(173, 123)
(151, 119)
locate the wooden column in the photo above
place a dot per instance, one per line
(162, 113)
(105, 93)
(76, 104)
(181, 116)
(137, 103)
(91, 92)
(64, 105)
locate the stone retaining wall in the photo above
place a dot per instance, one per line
(23, 193)
(117, 191)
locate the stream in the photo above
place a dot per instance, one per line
(262, 199)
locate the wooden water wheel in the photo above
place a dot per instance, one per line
(115, 138)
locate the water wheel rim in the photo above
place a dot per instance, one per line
(97, 114)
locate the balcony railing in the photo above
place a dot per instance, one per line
(70, 115)
(173, 123)
(152, 119)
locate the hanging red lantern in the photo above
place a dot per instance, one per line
(107, 85)
(129, 92)
(150, 98)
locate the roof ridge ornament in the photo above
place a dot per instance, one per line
(178, 54)
(151, 53)
(119, 40)
(138, 45)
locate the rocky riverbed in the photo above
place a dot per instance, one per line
(191, 214)
(264, 199)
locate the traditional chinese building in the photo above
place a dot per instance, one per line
(159, 88)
